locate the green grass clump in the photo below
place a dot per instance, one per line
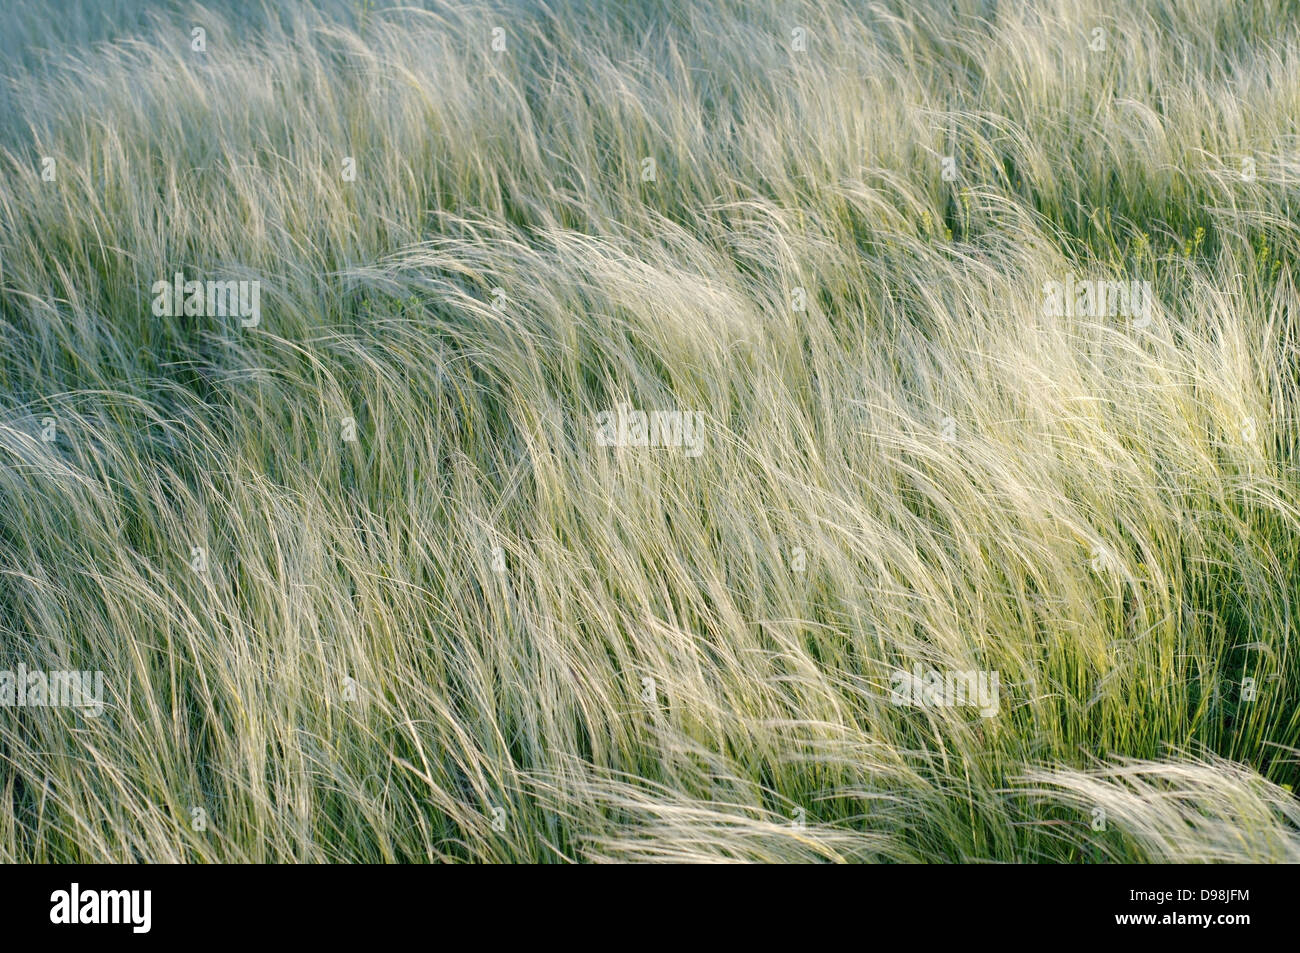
(473, 633)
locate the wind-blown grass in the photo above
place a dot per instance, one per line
(1103, 511)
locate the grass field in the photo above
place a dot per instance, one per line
(968, 339)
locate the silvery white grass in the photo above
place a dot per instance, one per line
(363, 583)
